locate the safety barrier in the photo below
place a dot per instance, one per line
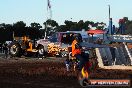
(122, 56)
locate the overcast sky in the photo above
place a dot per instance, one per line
(30, 11)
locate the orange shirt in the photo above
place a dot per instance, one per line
(74, 50)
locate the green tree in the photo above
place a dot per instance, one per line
(125, 19)
(74, 27)
(129, 27)
(51, 23)
(34, 30)
(19, 24)
(87, 23)
(81, 24)
(6, 32)
(36, 25)
(2, 25)
(62, 28)
(19, 29)
(50, 26)
(68, 24)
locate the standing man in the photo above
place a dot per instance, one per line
(77, 52)
(0, 47)
(5, 48)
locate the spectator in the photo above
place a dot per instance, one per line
(0, 48)
(67, 63)
(5, 48)
(78, 53)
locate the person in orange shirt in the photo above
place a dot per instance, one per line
(77, 52)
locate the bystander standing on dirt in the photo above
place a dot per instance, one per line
(0, 47)
(67, 63)
(5, 48)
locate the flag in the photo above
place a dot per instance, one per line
(49, 4)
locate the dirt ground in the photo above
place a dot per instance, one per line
(47, 73)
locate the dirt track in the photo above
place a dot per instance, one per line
(35, 74)
(46, 74)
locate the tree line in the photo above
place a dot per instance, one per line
(35, 30)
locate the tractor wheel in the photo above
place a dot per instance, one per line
(41, 51)
(15, 50)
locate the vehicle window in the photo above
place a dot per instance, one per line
(63, 40)
(92, 39)
(53, 38)
(67, 38)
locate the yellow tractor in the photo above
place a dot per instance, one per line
(22, 46)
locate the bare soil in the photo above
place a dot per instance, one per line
(33, 73)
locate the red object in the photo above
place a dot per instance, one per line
(96, 32)
(121, 20)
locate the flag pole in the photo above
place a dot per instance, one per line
(49, 16)
(46, 20)
(109, 11)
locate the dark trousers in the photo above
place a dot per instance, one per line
(6, 53)
(83, 58)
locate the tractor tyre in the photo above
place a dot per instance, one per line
(15, 50)
(41, 52)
